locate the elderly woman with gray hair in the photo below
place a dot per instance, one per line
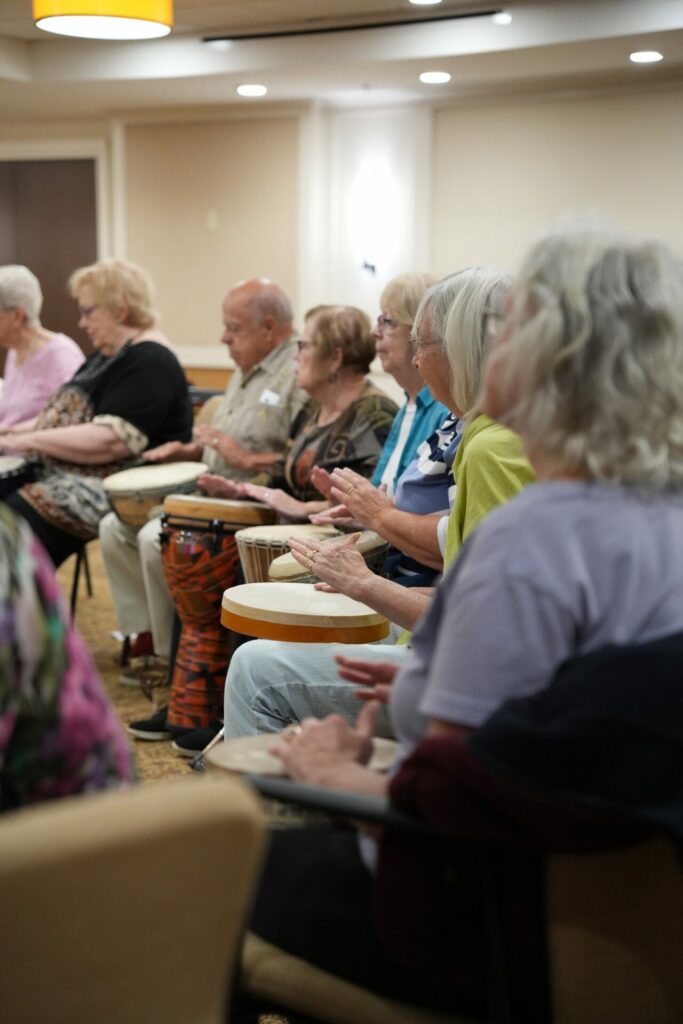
(271, 684)
(38, 361)
(588, 369)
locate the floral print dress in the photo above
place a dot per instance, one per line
(58, 733)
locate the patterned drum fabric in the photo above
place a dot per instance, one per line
(199, 563)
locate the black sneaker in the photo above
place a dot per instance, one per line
(195, 742)
(154, 728)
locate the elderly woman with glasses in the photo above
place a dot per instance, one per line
(588, 369)
(129, 395)
(271, 684)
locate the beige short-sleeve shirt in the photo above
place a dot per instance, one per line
(259, 408)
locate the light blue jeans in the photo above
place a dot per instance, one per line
(271, 684)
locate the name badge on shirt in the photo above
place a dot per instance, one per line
(269, 397)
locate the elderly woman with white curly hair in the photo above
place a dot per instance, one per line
(588, 369)
(38, 360)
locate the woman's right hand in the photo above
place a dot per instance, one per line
(375, 677)
(218, 487)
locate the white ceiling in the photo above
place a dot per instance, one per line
(553, 44)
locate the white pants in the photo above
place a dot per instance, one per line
(141, 596)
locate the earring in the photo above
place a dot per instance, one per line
(332, 377)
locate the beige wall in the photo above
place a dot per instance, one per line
(207, 205)
(504, 169)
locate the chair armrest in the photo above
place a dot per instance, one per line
(336, 802)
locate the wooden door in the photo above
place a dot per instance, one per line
(48, 223)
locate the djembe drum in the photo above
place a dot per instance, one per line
(134, 493)
(201, 561)
(258, 546)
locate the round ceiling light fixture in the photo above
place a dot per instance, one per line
(646, 57)
(425, 3)
(105, 19)
(251, 89)
(501, 18)
(435, 77)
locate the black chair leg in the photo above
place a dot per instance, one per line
(86, 566)
(77, 576)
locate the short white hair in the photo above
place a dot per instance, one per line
(20, 289)
(460, 308)
(594, 359)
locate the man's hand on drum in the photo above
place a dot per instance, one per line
(223, 444)
(363, 501)
(218, 487)
(277, 499)
(172, 451)
(319, 749)
(374, 677)
(339, 565)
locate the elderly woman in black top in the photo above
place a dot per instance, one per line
(130, 395)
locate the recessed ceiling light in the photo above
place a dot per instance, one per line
(252, 89)
(646, 56)
(425, 3)
(218, 44)
(435, 77)
(502, 18)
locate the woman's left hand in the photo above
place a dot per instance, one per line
(339, 564)
(364, 502)
(276, 499)
(316, 750)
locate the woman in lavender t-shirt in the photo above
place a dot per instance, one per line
(588, 369)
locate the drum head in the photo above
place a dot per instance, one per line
(250, 754)
(158, 479)
(281, 533)
(225, 510)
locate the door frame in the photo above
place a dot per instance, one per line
(73, 149)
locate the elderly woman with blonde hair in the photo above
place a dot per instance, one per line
(131, 394)
(588, 369)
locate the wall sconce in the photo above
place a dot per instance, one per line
(105, 19)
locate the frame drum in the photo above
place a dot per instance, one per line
(299, 613)
(133, 493)
(372, 547)
(14, 473)
(260, 545)
(249, 754)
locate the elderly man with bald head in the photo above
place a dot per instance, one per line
(246, 438)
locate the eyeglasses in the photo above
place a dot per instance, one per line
(86, 311)
(302, 345)
(385, 323)
(419, 346)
